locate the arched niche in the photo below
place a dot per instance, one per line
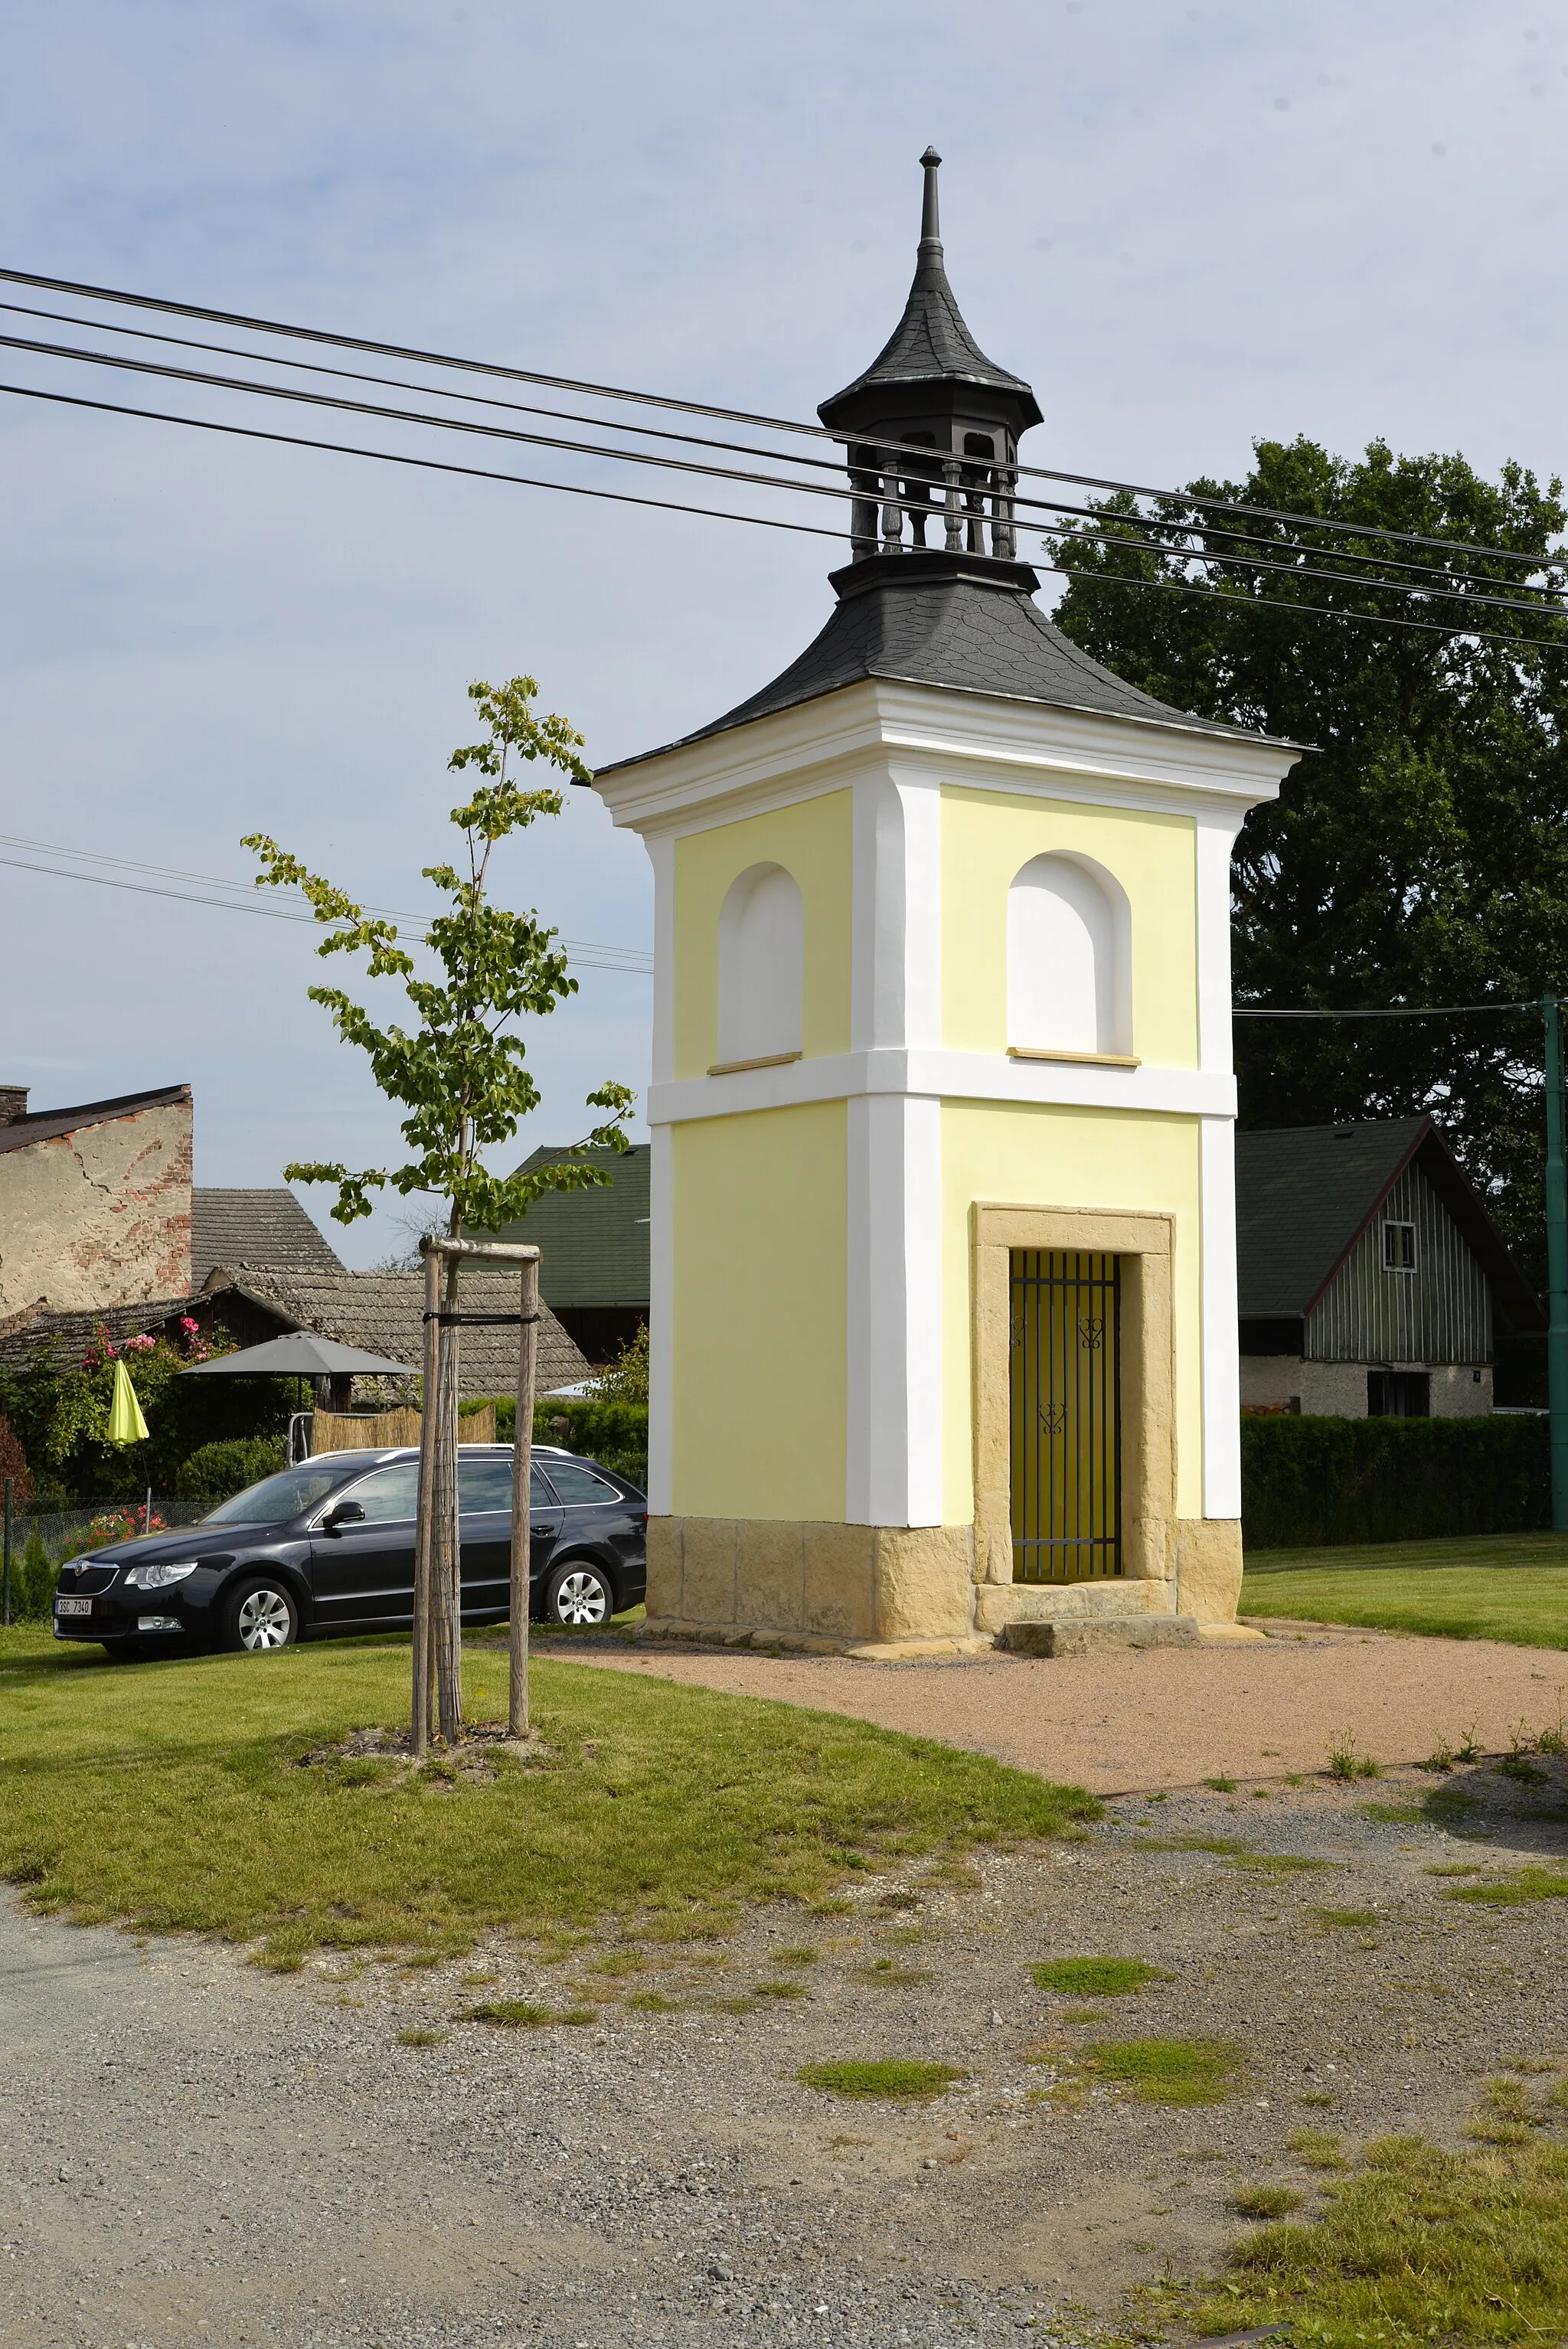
(1068, 959)
(761, 965)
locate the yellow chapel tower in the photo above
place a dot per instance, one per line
(944, 1297)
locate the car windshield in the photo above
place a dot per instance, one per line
(275, 1499)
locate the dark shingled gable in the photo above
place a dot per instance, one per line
(595, 1243)
(932, 618)
(384, 1313)
(254, 1228)
(1306, 1193)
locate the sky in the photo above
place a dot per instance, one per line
(1189, 227)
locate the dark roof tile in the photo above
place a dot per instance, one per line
(254, 1228)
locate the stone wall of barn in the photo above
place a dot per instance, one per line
(99, 1216)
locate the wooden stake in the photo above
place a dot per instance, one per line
(423, 1643)
(522, 1475)
(448, 1551)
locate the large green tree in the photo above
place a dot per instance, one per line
(1418, 853)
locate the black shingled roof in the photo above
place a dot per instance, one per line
(931, 343)
(267, 1227)
(595, 1244)
(1306, 1193)
(53, 1124)
(931, 618)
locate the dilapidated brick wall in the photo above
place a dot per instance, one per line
(100, 1216)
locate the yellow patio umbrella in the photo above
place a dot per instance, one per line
(126, 1424)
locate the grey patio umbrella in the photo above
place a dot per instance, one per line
(299, 1355)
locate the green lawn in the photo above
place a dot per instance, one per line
(175, 1795)
(1511, 1587)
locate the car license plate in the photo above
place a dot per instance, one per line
(73, 1607)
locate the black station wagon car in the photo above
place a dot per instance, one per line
(327, 1548)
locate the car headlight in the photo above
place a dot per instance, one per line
(158, 1573)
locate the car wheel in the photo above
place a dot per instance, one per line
(578, 1593)
(259, 1615)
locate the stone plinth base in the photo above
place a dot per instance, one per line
(821, 1585)
(1098, 1635)
(874, 1590)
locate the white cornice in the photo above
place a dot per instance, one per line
(945, 1076)
(984, 740)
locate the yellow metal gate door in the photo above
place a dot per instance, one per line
(1066, 1416)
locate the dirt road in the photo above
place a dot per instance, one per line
(1168, 1717)
(192, 2151)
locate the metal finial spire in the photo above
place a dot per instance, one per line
(930, 223)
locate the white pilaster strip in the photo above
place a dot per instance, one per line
(1216, 832)
(1221, 1362)
(661, 1193)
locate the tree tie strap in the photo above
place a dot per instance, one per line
(485, 1320)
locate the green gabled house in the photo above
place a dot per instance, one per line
(1371, 1279)
(593, 1264)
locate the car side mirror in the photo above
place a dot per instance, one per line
(346, 1513)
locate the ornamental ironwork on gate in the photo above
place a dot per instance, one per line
(1065, 1414)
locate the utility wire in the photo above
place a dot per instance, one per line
(239, 898)
(735, 415)
(1395, 1011)
(761, 521)
(695, 439)
(915, 504)
(422, 464)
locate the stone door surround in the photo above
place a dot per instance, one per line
(1145, 1245)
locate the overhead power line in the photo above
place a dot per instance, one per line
(1385, 1011)
(761, 521)
(328, 339)
(913, 502)
(242, 897)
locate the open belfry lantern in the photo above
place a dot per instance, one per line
(944, 1301)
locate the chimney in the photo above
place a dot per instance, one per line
(12, 1104)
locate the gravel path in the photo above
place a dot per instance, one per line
(1168, 1717)
(192, 2151)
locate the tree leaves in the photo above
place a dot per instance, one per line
(461, 1072)
(1419, 854)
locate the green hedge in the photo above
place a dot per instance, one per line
(597, 1426)
(1307, 1483)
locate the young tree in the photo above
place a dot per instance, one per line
(1419, 854)
(460, 1071)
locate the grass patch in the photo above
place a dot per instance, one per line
(1347, 1920)
(1169, 2071)
(1095, 1977)
(421, 2038)
(778, 1990)
(886, 1973)
(1316, 2149)
(804, 1955)
(1227, 1845)
(1280, 1863)
(1265, 2202)
(1449, 1591)
(1513, 1891)
(1222, 1786)
(1345, 1762)
(165, 1797)
(897, 2077)
(651, 2001)
(1418, 2246)
(521, 2014)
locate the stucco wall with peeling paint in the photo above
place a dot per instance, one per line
(99, 1216)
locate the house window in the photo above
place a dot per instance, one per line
(1398, 1248)
(1399, 1394)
